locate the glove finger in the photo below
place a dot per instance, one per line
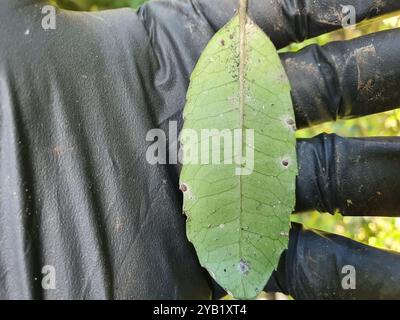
(319, 265)
(355, 176)
(287, 21)
(345, 79)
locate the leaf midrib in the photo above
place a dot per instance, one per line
(242, 66)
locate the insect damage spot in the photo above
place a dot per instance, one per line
(285, 162)
(234, 100)
(233, 67)
(183, 187)
(243, 267)
(290, 123)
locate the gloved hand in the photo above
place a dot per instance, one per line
(76, 103)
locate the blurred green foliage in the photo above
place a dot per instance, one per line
(379, 232)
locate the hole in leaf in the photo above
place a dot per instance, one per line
(243, 267)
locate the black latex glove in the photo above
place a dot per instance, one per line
(77, 192)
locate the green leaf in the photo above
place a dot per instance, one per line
(239, 223)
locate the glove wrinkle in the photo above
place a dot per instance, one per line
(295, 13)
(314, 184)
